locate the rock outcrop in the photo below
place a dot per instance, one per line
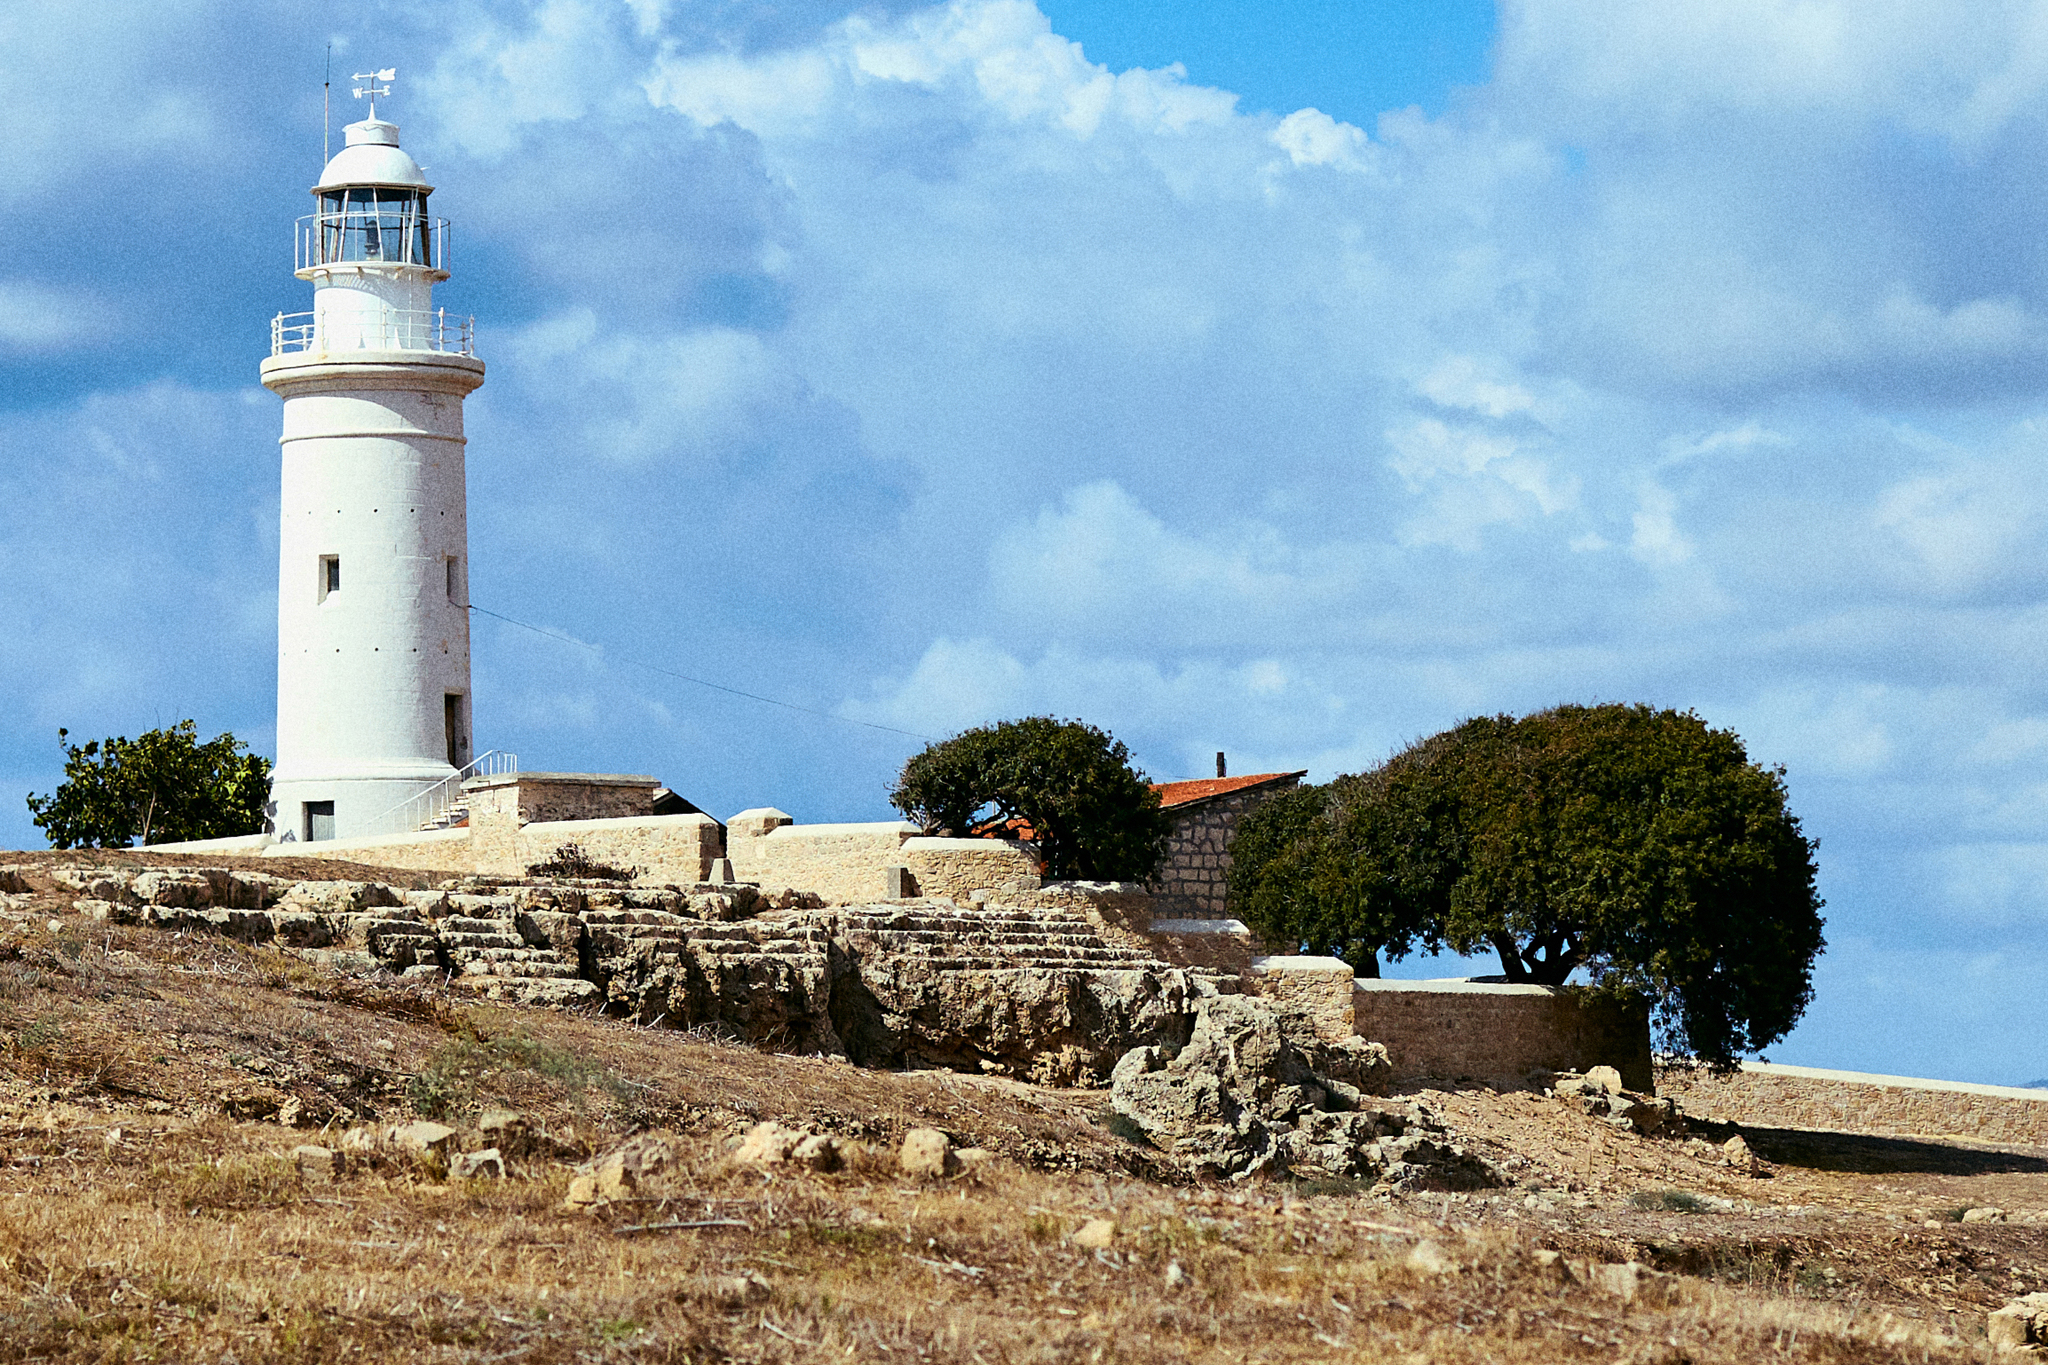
(1241, 1099)
(1035, 992)
(1599, 1092)
(2021, 1325)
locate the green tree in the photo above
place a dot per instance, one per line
(1639, 845)
(162, 787)
(1093, 815)
(1336, 869)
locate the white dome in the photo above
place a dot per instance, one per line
(372, 157)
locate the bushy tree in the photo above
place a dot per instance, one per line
(162, 787)
(1640, 845)
(1093, 815)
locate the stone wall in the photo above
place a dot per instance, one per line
(1764, 1095)
(1193, 881)
(1468, 1031)
(499, 807)
(957, 867)
(663, 848)
(434, 850)
(845, 864)
(1312, 995)
(1219, 945)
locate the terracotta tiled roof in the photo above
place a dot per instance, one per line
(1202, 788)
(1170, 794)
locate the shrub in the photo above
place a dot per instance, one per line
(1093, 815)
(570, 861)
(165, 786)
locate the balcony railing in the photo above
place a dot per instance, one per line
(387, 235)
(388, 329)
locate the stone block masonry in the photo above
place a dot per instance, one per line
(1451, 1032)
(842, 863)
(1193, 881)
(662, 848)
(957, 868)
(1765, 1095)
(1037, 994)
(1312, 995)
(500, 807)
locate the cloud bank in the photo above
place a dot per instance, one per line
(907, 364)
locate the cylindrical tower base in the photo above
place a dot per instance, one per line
(373, 692)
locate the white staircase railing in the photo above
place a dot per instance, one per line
(424, 808)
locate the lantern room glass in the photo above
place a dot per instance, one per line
(375, 223)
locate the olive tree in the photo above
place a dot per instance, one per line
(1640, 846)
(162, 787)
(1093, 815)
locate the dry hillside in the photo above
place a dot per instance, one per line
(153, 1087)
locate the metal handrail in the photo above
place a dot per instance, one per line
(390, 329)
(423, 808)
(376, 236)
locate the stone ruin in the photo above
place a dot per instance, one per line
(1039, 994)
(1221, 1082)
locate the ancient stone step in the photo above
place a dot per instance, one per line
(626, 918)
(475, 943)
(475, 924)
(536, 969)
(532, 991)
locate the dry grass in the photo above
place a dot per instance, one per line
(149, 1209)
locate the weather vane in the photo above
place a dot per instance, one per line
(373, 89)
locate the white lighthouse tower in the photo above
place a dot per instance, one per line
(373, 701)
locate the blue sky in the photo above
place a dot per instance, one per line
(1294, 382)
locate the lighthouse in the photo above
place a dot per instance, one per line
(373, 696)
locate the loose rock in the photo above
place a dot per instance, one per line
(2021, 1325)
(618, 1173)
(927, 1153)
(1428, 1257)
(484, 1165)
(1241, 1099)
(819, 1152)
(767, 1144)
(1094, 1235)
(317, 1165)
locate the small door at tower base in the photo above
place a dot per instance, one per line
(455, 726)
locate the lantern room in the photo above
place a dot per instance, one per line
(373, 253)
(373, 209)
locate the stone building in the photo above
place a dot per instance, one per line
(1192, 883)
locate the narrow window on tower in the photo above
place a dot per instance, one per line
(330, 575)
(454, 580)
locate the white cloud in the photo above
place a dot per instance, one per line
(1749, 435)
(1462, 381)
(1657, 540)
(1101, 566)
(1473, 479)
(1965, 527)
(1311, 137)
(38, 318)
(1696, 357)
(1003, 51)
(653, 397)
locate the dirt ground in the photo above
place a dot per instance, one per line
(153, 1086)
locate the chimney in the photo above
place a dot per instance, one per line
(1219, 764)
